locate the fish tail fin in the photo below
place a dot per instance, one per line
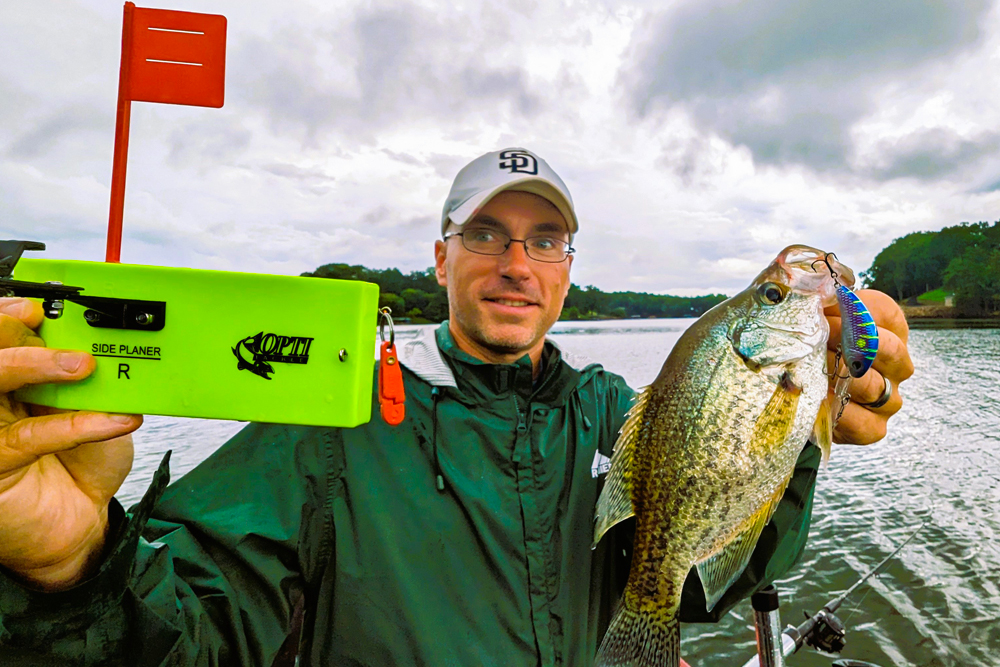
(640, 639)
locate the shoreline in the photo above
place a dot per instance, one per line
(945, 317)
(931, 312)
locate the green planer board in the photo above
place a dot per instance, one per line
(240, 346)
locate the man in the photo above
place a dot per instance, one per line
(460, 537)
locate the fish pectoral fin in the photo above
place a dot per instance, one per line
(822, 433)
(721, 570)
(615, 504)
(778, 417)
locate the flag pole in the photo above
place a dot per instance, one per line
(121, 143)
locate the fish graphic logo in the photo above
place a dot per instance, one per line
(254, 353)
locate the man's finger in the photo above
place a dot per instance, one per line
(14, 333)
(893, 359)
(28, 312)
(859, 426)
(886, 312)
(20, 366)
(869, 389)
(27, 440)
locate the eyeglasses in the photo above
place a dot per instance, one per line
(484, 241)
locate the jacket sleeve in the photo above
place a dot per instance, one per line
(206, 576)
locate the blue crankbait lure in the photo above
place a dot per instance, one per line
(858, 334)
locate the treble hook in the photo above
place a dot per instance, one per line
(826, 260)
(841, 386)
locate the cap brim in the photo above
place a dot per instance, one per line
(535, 186)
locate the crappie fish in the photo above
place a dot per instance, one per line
(710, 445)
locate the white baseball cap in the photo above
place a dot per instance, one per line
(508, 169)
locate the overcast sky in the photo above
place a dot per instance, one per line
(698, 138)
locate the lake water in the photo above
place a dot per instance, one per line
(936, 604)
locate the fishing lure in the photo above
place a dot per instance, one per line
(858, 332)
(858, 339)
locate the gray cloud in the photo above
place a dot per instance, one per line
(446, 166)
(297, 173)
(46, 133)
(386, 221)
(314, 181)
(66, 232)
(934, 153)
(992, 186)
(510, 85)
(405, 158)
(208, 139)
(384, 68)
(788, 78)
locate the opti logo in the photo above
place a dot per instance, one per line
(264, 348)
(519, 162)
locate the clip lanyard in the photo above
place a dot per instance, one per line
(391, 396)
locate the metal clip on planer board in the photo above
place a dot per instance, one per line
(102, 312)
(241, 346)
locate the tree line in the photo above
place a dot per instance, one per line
(418, 297)
(963, 259)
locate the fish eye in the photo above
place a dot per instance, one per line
(770, 294)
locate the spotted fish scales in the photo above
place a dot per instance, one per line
(710, 445)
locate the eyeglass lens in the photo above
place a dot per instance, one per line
(492, 242)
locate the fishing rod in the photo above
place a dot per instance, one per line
(823, 630)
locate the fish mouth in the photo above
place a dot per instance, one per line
(807, 270)
(806, 259)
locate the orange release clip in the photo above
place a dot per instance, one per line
(391, 397)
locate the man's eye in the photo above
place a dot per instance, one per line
(482, 236)
(543, 243)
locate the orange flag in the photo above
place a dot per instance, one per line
(168, 57)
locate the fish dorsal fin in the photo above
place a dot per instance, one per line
(822, 434)
(615, 504)
(721, 570)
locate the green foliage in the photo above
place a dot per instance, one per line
(935, 296)
(975, 279)
(393, 302)
(590, 303)
(916, 263)
(418, 296)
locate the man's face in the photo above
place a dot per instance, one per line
(502, 305)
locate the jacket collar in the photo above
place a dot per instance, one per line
(433, 357)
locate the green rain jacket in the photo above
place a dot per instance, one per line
(496, 568)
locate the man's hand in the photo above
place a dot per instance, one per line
(862, 425)
(58, 470)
